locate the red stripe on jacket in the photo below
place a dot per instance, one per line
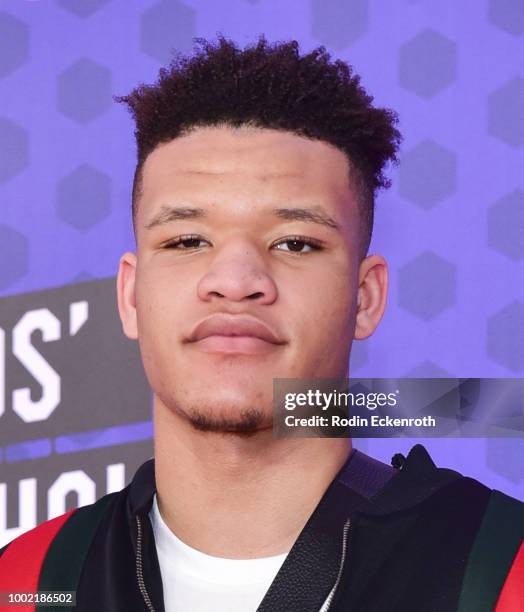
(22, 561)
(511, 598)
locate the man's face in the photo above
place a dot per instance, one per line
(248, 253)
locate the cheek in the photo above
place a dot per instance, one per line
(157, 308)
(333, 291)
(322, 309)
(160, 293)
(333, 320)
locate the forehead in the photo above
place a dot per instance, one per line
(247, 162)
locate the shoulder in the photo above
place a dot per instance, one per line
(496, 509)
(27, 557)
(421, 481)
(499, 517)
(457, 509)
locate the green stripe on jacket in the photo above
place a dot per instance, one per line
(492, 553)
(65, 558)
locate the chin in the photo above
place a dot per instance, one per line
(243, 421)
(228, 408)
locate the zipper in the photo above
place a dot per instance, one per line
(139, 568)
(327, 604)
(140, 574)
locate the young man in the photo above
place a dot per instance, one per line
(253, 209)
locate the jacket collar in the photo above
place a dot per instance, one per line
(417, 479)
(142, 489)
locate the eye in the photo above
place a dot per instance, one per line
(184, 243)
(297, 243)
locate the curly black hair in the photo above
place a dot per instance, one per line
(269, 86)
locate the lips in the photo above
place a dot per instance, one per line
(233, 325)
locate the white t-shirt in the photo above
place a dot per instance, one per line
(196, 582)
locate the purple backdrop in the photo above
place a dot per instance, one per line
(452, 225)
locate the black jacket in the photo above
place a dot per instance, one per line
(430, 540)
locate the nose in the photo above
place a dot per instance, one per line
(236, 274)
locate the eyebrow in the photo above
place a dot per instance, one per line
(308, 215)
(175, 213)
(168, 214)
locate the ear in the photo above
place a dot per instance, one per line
(125, 288)
(372, 294)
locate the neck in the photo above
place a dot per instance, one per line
(239, 497)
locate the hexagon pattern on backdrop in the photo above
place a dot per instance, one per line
(165, 26)
(84, 90)
(505, 336)
(14, 35)
(506, 112)
(427, 285)
(427, 174)
(337, 23)
(451, 227)
(83, 197)
(14, 248)
(506, 225)
(14, 149)
(86, 8)
(507, 15)
(427, 369)
(427, 63)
